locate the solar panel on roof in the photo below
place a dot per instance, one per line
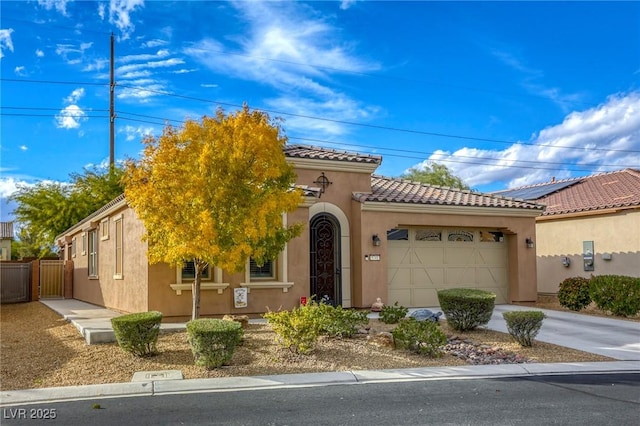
(537, 192)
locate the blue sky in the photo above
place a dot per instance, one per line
(503, 93)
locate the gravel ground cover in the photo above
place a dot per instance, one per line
(39, 349)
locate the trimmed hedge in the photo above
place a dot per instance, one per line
(422, 337)
(213, 341)
(524, 326)
(391, 314)
(617, 294)
(573, 293)
(466, 308)
(138, 333)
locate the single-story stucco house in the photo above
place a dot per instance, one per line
(366, 236)
(591, 226)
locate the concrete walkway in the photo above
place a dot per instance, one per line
(618, 339)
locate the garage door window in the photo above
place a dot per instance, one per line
(398, 235)
(460, 235)
(428, 235)
(491, 237)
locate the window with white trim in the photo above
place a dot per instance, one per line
(117, 243)
(93, 253)
(104, 229)
(73, 247)
(265, 272)
(84, 243)
(189, 271)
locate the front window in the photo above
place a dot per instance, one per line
(266, 271)
(189, 271)
(93, 253)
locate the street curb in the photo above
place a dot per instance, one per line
(226, 384)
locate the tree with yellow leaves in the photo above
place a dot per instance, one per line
(214, 192)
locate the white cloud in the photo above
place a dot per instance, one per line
(39, 53)
(346, 4)
(208, 85)
(162, 53)
(154, 43)
(133, 132)
(289, 48)
(8, 186)
(75, 96)
(24, 148)
(152, 64)
(5, 41)
(183, 71)
(120, 15)
(603, 138)
(101, 11)
(59, 5)
(20, 71)
(71, 53)
(96, 65)
(70, 117)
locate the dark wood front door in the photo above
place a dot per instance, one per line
(325, 259)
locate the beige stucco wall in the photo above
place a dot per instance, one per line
(616, 233)
(128, 294)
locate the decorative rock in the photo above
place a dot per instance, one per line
(242, 319)
(425, 315)
(477, 354)
(384, 338)
(377, 305)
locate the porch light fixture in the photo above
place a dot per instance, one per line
(323, 181)
(375, 239)
(529, 242)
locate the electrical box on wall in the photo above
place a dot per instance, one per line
(587, 255)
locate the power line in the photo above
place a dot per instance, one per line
(484, 161)
(373, 126)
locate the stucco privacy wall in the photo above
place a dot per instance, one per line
(617, 234)
(372, 276)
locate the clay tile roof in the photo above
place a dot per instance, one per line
(393, 190)
(619, 189)
(318, 153)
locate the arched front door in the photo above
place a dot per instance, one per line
(325, 259)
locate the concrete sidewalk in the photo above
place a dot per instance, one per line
(619, 339)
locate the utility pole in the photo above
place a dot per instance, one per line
(112, 114)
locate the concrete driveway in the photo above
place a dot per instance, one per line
(615, 338)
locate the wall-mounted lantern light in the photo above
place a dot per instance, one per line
(375, 239)
(529, 242)
(566, 261)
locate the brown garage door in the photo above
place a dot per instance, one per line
(422, 261)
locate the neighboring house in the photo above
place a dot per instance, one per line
(366, 237)
(591, 226)
(6, 237)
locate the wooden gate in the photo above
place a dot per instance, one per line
(15, 282)
(51, 279)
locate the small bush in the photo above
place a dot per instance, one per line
(423, 337)
(138, 333)
(617, 294)
(340, 322)
(213, 341)
(391, 314)
(574, 293)
(297, 329)
(466, 308)
(523, 326)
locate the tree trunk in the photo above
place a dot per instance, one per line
(195, 289)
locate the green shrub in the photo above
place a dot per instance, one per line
(213, 341)
(297, 329)
(423, 337)
(392, 314)
(466, 308)
(523, 326)
(138, 333)
(617, 294)
(574, 293)
(340, 322)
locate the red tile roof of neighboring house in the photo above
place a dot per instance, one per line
(318, 153)
(392, 190)
(619, 189)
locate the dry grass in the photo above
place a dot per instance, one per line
(39, 349)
